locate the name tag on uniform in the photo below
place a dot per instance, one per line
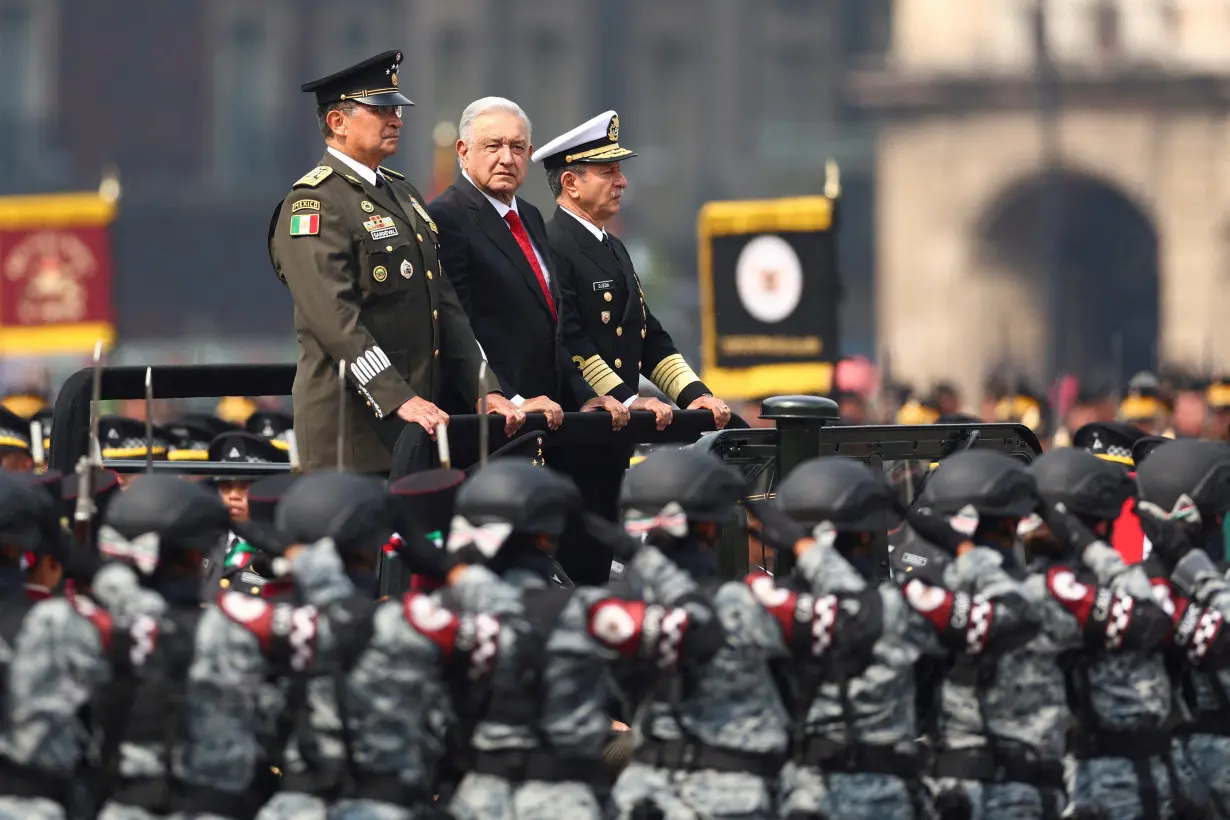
(604, 285)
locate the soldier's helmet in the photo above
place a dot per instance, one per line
(1090, 487)
(992, 484)
(159, 516)
(690, 482)
(511, 491)
(1187, 481)
(29, 517)
(351, 509)
(842, 491)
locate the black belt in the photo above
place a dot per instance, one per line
(520, 765)
(26, 781)
(160, 795)
(857, 758)
(978, 764)
(1132, 744)
(686, 755)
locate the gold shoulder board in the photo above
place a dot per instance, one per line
(389, 172)
(314, 177)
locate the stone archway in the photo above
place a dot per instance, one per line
(1104, 251)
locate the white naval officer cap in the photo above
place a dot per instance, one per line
(595, 140)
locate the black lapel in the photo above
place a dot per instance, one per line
(497, 230)
(383, 196)
(633, 305)
(590, 245)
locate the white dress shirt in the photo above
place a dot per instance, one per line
(367, 174)
(502, 210)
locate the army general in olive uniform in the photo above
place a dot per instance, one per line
(358, 251)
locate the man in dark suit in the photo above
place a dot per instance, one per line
(607, 327)
(493, 247)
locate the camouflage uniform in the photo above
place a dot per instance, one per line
(731, 709)
(1123, 700)
(396, 700)
(1202, 758)
(1011, 715)
(60, 661)
(572, 720)
(858, 757)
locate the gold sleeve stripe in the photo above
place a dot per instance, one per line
(598, 374)
(672, 375)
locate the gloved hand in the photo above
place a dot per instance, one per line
(425, 558)
(1066, 527)
(935, 530)
(1169, 540)
(623, 546)
(776, 529)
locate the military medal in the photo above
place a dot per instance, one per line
(423, 213)
(380, 273)
(407, 270)
(380, 227)
(606, 316)
(367, 206)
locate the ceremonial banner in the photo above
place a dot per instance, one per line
(769, 293)
(55, 273)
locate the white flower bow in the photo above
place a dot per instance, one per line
(142, 551)
(672, 520)
(487, 537)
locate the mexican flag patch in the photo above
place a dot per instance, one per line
(305, 224)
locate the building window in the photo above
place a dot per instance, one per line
(244, 78)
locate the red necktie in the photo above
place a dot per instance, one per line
(523, 239)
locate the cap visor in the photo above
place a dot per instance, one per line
(388, 98)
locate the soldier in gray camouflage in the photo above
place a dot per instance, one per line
(1000, 736)
(1118, 683)
(536, 748)
(712, 743)
(1184, 489)
(375, 726)
(854, 754)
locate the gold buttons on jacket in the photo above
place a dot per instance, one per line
(436, 353)
(435, 314)
(419, 237)
(428, 274)
(388, 248)
(619, 363)
(638, 367)
(607, 296)
(619, 331)
(642, 333)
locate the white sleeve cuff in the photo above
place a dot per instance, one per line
(628, 401)
(517, 400)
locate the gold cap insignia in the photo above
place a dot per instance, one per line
(612, 130)
(380, 273)
(395, 79)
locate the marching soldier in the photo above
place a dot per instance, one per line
(358, 251)
(537, 747)
(854, 753)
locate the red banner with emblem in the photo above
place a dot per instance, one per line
(55, 274)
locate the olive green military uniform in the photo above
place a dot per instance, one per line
(361, 264)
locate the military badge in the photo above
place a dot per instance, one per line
(380, 273)
(612, 130)
(421, 211)
(606, 317)
(367, 206)
(380, 227)
(407, 270)
(305, 225)
(309, 204)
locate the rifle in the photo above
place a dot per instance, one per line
(83, 514)
(341, 415)
(149, 420)
(484, 434)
